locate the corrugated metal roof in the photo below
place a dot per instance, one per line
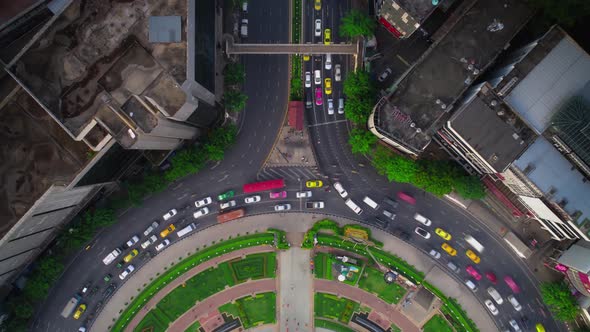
(553, 170)
(165, 29)
(560, 75)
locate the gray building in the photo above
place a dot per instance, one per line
(85, 91)
(409, 117)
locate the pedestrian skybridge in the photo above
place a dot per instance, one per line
(233, 48)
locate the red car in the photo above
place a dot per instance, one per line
(510, 282)
(278, 194)
(406, 197)
(318, 96)
(473, 272)
(492, 277)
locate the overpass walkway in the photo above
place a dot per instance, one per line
(233, 48)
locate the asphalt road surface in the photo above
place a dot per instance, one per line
(267, 88)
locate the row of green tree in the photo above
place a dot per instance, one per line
(234, 75)
(49, 267)
(558, 297)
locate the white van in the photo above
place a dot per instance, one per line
(186, 230)
(328, 63)
(422, 219)
(514, 302)
(244, 28)
(352, 205)
(111, 256)
(474, 243)
(495, 295)
(371, 202)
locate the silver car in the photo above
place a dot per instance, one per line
(318, 27)
(307, 79)
(422, 232)
(282, 207)
(150, 229)
(203, 202)
(337, 73)
(227, 204)
(202, 212)
(330, 106)
(491, 307)
(252, 199)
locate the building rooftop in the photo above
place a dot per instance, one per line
(165, 29)
(404, 15)
(555, 70)
(98, 48)
(447, 70)
(549, 170)
(418, 9)
(492, 129)
(36, 153)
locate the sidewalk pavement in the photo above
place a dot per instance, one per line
(357, 294)
(215, 301)
(290, 222)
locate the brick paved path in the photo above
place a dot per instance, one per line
(189, 274)
(213, 302)
(357, 294)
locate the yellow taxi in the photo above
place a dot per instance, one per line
(328, 86)
(450, 250)
(81, 309)
(473, 256)
(440, 232)
(317, 5)
(540, 328)
(314, 184)
(306, 57)
(131, 255)
(327, 36)
(167, 231)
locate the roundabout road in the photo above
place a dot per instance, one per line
(267, 88)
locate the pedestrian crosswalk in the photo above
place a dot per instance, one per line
(290, 174)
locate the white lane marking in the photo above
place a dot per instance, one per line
(223, 178)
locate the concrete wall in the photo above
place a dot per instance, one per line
(169, 128)
(145, 142)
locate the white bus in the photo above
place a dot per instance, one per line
(186, 230)
(474, 243)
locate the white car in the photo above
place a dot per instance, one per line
(163, 245)
(422, 219)
(317, 77)
(133, 240)
(307, 79)
(328, 62)
(318, 27)
(228, 204)
(126, 272)
(203, 202)
(148, 242)
(252, 199)
(150, 229)
(170, 214)
(340, 190)
(514, 325)
(422, 232)
(514, 302)
(384, 75)
(491, 307)
(337, 73)
(201, 212)
(303, 194)
(282, 207)
(495, 295)
(330, 106)
(435, 254)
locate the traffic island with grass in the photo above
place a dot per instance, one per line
(437, 324)
(252, 310)
(330, 306)
(372, 281)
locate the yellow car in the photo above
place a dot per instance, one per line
(314, 184)
(327, 36)
(167, 231)
(450, 250)
(306, 57)
(473, 256)
(79, 311)
(442, 234)
(130, 256)
(318, 4)
(328, 86)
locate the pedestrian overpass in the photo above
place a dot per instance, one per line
(233, 48)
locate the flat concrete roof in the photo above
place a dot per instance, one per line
(495, 132)
(165, 29)
(442, 74)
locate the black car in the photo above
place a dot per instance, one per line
(391, 202)
(93, 291)
(109, 290)
(383, 224)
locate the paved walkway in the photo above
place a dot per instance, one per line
(290, 222)
(296, 290)
(213, 302)
(366, 298)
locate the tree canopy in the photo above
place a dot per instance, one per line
(394, 167)
(234, 100)
(360, 97)
(560, 300)
(565, 12)
(361, 141)
(234, 73)
(357, 23)
(219, 140)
